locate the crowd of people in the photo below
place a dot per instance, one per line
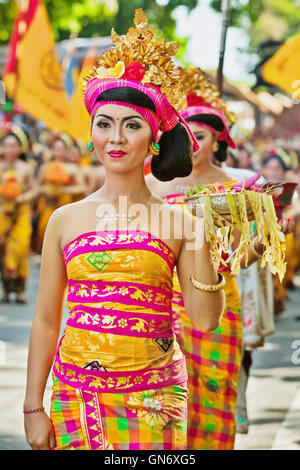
(37, 175)
(157, 349)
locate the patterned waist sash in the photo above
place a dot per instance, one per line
(129, 293)
(118, 322)
(174, 373)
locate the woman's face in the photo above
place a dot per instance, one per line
(73, 154)
(121, 137)
(205, 139)
(58, 150)
(273, 171)
(10, 148)
(244, 159)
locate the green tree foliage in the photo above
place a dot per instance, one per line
(264, 20)
(88, 18)
(268, 24)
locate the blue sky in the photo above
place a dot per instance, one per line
(203, 26)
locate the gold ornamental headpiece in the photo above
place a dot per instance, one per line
(138, 56)
(199, 90)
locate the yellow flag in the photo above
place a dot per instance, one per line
(283, 68)
(32, 74)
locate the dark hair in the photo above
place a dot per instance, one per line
(175, 157)
(216, 123)
(277, 158)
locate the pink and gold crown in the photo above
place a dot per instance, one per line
(138, 56)
(200, 91)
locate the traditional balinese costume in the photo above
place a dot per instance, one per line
(119, 374)
(213, 359)
(54, 181)
(15, 227)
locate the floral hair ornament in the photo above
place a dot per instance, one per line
(203, 97)
(138, 61)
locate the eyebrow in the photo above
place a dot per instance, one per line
(124, 119)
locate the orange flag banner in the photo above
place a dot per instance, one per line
(32, 74)
(80, 117)
(283, 68)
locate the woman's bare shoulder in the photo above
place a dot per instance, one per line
(161, 188)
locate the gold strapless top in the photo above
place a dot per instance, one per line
(119, 300)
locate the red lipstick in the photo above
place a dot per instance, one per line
(117, 154)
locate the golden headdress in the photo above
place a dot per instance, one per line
(154, 58)
(195, 81)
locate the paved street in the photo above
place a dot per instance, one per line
(273, 391)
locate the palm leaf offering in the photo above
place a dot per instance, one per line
(232, 206)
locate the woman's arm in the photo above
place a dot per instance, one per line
(204, 308)
(31, 191)
(45, 328)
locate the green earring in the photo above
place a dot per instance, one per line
(154, 148)
(91, 146)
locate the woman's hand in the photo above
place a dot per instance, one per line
(39, 431)
(287, 225)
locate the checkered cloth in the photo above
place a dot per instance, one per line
(148, 420)
(213, 362)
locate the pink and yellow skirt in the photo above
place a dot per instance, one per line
(213, 362)
(153, 419)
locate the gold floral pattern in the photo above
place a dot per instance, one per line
(100, 380)
(119, 239)
(112, 321)
(134, 293)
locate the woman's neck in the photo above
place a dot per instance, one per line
(204, 172)
(131, 185)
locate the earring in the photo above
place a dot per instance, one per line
(91, 146)
(215, 147)
(154, 148)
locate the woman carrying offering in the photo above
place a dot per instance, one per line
(213, 358)
(119, 374)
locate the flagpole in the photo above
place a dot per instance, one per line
(225, 24)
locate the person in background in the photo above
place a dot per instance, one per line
(17, 190)
(58, 181)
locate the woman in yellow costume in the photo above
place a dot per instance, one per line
(119, 374)
(77, 155)
(274, 168)
(58, 180)
(213, 359)
(16, 192)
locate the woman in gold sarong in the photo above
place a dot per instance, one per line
(58, 180)
(16, 192)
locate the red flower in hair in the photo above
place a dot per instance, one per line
(135, 71)
(194, 100)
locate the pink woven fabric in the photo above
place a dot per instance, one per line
(165, 118)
